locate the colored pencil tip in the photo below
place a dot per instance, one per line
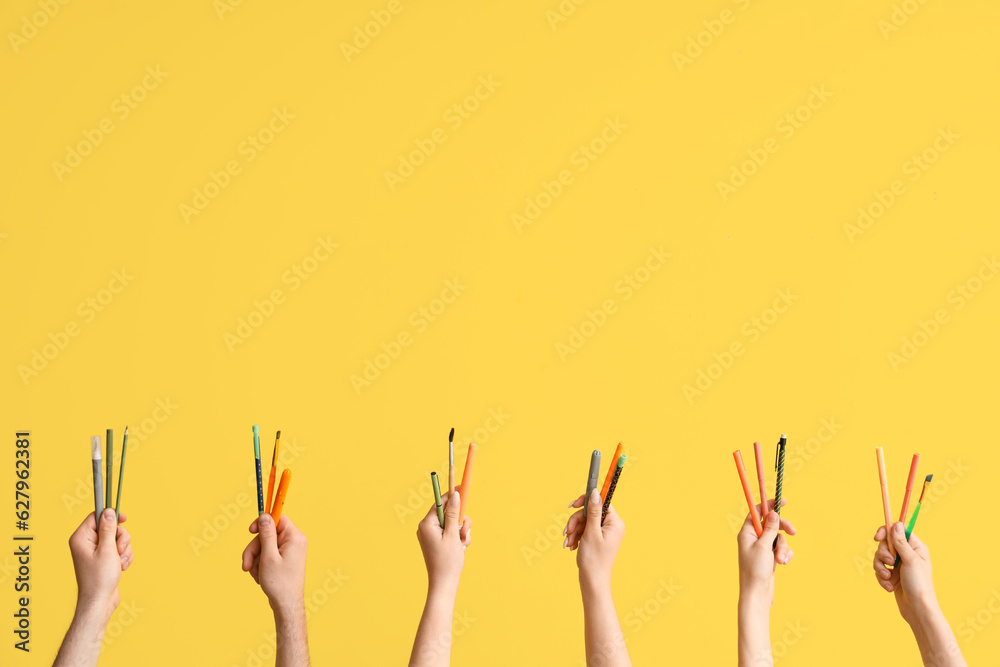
(928, 478)
(126, 430)
(451, 436)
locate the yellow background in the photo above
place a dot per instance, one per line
(362, 456)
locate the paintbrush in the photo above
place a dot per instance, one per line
(913, 519)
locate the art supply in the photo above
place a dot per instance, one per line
(758, 454)
(271, 476)
(779, 469)
(470, 459)
(913, 519)
(909, 487)
(451, 464)
(260, 482)
(595, 470)
(108, 458)
(95, 453)
(880, 456)
(611, 489)
(741, 469)
(121, 476)
(279, 498)
(437, 497)
(611, 473)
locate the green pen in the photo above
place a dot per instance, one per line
(437, 497)
(913, 519)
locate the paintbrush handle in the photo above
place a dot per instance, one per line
(260, 490)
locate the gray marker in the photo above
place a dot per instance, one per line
(595, 470)
(95, 445)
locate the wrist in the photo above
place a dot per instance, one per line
(925, 612)
(754, 599)
(442, 588)
(94, 610)
(595, 585)
(288, 609)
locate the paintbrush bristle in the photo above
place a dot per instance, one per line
(928, 479)
(126, 430)
(95, 446)
(451, 436)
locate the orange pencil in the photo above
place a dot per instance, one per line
(885, 498)
(909, 487)
(759, 460)
(270, 478)
(470, 459)
(747, 492)
(279, 500)
(611, 472)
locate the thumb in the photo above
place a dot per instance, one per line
(452, 521)
(593, 513)
(771, 523)
(903, 548)
(107, 531)
(268, 534)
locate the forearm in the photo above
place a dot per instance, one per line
(754, 621)
(292, 637)
(602, 632)
(938, 647)
(432, 646)
(82, 644)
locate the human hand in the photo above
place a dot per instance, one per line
(757, 560)
(911, 581)
(444, 547)
(598, 544)
(99, 558)
(276, 559)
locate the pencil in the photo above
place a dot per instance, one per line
(741, 469)
(759, 461)
(95, 453)
(451, 464)
(611, 473)
(437, 497)
(111, 454)
(611, 489)
(595, 470)
(883, 480)
(916, 511)
(279, 498)
(270, 477)
(260, 483)
(909, 486)
(121, 476)
(470, 460)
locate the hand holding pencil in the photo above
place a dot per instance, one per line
(444, 548)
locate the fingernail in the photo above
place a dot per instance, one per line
(571, 505)
(791, 554)
(565, 542)
(264, 519)
(898, 529)
(109, 514)
(565, 530)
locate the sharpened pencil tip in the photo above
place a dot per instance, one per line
(451, 436)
